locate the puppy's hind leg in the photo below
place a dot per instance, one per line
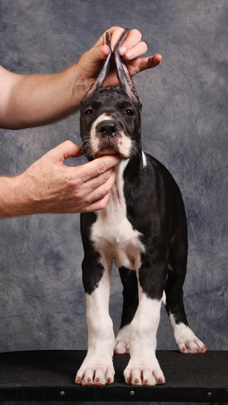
(130, 304)
(185, 338)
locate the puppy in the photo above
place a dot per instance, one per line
(142, 229)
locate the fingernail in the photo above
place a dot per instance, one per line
(122, 50)
(130, 55)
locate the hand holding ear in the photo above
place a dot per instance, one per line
(132, 49)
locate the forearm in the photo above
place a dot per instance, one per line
(35, 100)
(13, 197)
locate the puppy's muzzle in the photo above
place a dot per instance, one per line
(107, 129)
(108, 135)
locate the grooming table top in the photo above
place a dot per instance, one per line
(49, 376)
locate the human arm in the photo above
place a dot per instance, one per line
(49, 186)
(33, 100)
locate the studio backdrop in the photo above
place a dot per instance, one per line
(184, 125)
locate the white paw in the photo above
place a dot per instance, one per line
(95, 372)
(193, 346)
(122, 346)
(147, 372)
(187, 341)
(122, 341)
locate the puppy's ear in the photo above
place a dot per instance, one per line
(123, 75)
(103, 73)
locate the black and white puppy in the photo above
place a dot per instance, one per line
(143, 229)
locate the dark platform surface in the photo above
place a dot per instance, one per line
(49, 376)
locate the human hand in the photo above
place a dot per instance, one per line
(49, 186)
(92, 61)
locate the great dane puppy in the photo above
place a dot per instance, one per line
(143, 229)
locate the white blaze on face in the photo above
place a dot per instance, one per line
(123, 143)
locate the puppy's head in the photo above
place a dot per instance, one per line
(110, 116)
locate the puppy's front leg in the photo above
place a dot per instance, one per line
(97, 368)
(143, 367)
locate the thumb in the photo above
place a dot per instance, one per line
(98, 54)
(64, 151)
(103, 52)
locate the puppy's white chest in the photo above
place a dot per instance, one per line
(112, 233)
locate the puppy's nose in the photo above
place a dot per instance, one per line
(107, 129)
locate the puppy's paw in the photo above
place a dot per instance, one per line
(187, 341)
(194, 346)
(95, 372)
(147, 373)
(121, 345)
(92, 376)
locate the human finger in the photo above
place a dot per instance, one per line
(114, 35)
(138, 65)
(92, 185)
(64, 151)
(98, 166)
(133, 38)
(97, 205)
(150, 62)
(99, 193)
(101, 49)
(102, 187)
(136, 51)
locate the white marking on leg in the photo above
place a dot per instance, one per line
(97, 368)
(186, 339)
(143, 367)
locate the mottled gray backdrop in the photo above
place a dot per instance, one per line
(42, 303)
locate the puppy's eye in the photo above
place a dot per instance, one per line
(129, 112)
(88, 112)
